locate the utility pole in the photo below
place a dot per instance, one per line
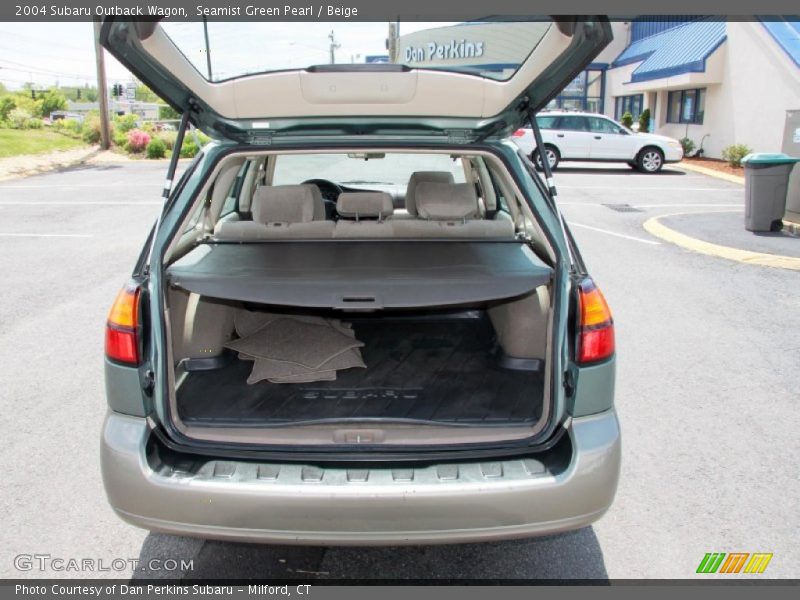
(334, 46)
(102, 91)
(391, 41)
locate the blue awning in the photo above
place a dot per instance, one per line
(786, 32)
(679, 50)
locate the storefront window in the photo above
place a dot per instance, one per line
(585, 92)
(686, 106)
(632, 104)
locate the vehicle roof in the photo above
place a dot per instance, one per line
(579, 113)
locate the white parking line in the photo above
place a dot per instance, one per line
(614, 233)
(53, 186)
(46, 235)
(693, 204)
(79, 203)
(618, 188)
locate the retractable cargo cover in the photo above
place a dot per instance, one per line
(361, 275)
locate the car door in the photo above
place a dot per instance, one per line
(610, 141)
(572, 137)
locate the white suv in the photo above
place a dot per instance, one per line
(595, 137)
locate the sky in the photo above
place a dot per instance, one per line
(63, 53)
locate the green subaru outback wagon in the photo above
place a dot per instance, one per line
(360, 317)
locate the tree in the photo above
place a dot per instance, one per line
(24, 101)
(53, 100)
(145, 94)
(3, 89)
(166, 112)
(7, 104)
(644, 121)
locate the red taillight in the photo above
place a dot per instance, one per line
(596, 336)
(122, 344)
(518, 133)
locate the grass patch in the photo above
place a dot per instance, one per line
(14, 142)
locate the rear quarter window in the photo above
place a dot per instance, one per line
(546, 122)
(573, 123)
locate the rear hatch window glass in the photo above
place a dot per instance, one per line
(361, 169)
(235, 49)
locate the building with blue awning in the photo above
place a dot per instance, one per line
(716, 82)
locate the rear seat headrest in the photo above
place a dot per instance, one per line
(446, 201)
(418, 177)
(284, 204)
(364, 205)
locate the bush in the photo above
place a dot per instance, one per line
(73, 126)
(28, 104)
(119, 138)
(137, 140)
(189, 148)
(627, 120)
(90, 130)
(156, 148)
(53, 100)
(688, 146)
(7, 104)
(18, 117)
(33, 124)
(734, 154)
(168, 137)
(644, 121)
(125, 123)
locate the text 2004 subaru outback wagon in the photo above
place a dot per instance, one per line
(360, 317)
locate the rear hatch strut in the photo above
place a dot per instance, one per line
(165, 193)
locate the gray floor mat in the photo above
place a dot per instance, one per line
(291, 340)
(247, 322)
(286, 372)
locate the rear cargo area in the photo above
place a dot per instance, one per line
(434, 367)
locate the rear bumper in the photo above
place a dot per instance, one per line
(290, 503)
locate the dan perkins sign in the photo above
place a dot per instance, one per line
(452, 50)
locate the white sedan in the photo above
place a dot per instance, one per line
(595, 137)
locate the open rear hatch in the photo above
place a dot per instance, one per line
(258, 100)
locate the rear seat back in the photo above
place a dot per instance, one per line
(364, 215)
(450, 210)
(416, 178)
(283, 211)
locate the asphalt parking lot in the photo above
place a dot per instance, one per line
(707, 391)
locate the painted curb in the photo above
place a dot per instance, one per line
(53, 166)
(710, 172)
(653, 226)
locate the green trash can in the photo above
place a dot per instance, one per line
(766, 179)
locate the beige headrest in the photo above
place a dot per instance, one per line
(418, 177)
(446, 201)
(366, 205)
(283, 204)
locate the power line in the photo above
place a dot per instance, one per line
(29, 38)
(26, 68)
